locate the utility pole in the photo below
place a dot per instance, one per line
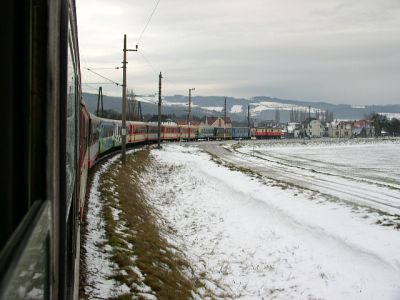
(124, 100)
(190, 111)
(248, 116)
(159, 111)
(225, 119)
(100, 100)
(140, 116)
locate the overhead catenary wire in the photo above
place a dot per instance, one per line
(116, 83)
(148, 101)
(147, 61)
(148, 22)
(99, 83)
(113, 68)
(89, 86)
(145, 58)
(136, 96)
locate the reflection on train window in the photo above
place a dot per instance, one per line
(30, 277)
(71, 127)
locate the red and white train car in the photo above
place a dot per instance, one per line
(137, 132)
(268, 132)
(170, 132)
(186, 132)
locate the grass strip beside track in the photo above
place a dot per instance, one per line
(146, 263)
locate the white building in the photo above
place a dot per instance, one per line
(313, 128)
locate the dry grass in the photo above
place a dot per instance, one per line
(138, 243)
(135, 233)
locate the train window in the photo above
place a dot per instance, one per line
(25, 217)
(29, 277)
(71, 129)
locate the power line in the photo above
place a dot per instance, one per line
(147, 61)
(89, 86)
(147, 100)
(99, 83)
(148, 21)
(90, 70)
(113, 68)
(151, 65)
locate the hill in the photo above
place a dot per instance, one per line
(261, 107)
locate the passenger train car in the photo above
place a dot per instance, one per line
(268, 132)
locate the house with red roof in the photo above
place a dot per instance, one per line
(363, 128)
(185, 122)
(216, 122)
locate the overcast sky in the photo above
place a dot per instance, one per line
(338, 51)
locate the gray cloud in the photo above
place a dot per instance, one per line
(337, 51)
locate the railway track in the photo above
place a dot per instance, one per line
(345, 189)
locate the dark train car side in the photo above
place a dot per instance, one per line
(40, 155)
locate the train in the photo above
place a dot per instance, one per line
(50, 142)
(99, 136)
(41, 142)
(268, 132)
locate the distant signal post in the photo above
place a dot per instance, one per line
(159, 110)
(190, 111)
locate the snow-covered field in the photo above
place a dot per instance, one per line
(255, 237)
(364, 173)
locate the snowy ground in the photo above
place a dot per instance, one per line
(99, 267)
(366, 173)
(256, 238)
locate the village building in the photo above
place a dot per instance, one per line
(341, 129)
(166, 120)
(293, 130)
(312, 128)
(216, 122)
(363, 128)
(185, 122)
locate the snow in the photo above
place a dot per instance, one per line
(167, 103)
(99, 267)
(255, 239)
(236, 109)
(361, 160)
(268, 105)
(174, 103)
(391, 115)
(213, 108)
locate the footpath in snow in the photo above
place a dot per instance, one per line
(254, 240)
